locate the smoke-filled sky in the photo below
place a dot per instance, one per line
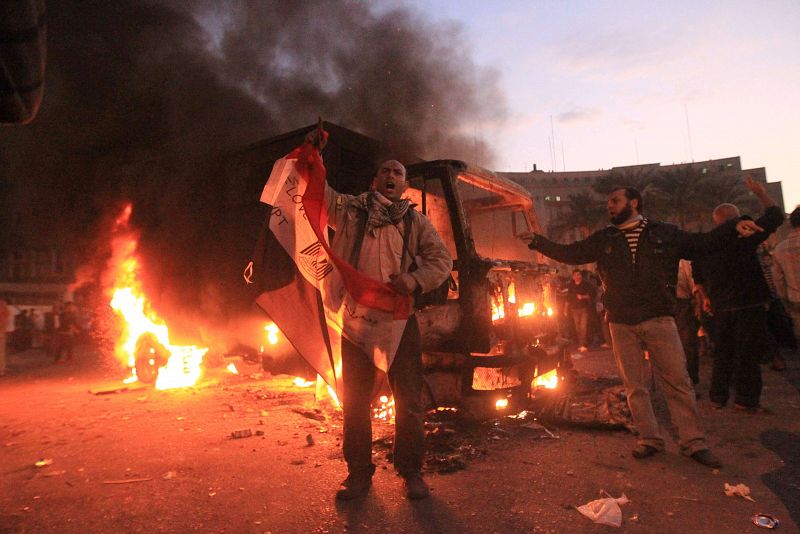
(143, 96)
(620, 78)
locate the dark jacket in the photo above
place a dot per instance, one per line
(646, 289)
(732, 278)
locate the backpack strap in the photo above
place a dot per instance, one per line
(361, 227)
(408, 217)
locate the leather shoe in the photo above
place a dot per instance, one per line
(707, 458)
(642, 451)
(416, 488)
(354, 487)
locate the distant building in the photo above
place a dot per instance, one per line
(551, 191)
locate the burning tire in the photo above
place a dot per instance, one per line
(150, 357)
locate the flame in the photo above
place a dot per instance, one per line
(302, 382)
(549, 311)
(232, 368)
(501, 404)
(272, 334)
(529, 308)
(512, 293)
(548, 380)
(498, 309)
(182, 367)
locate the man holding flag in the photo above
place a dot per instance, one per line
(383, 253)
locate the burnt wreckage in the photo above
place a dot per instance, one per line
(491, 329)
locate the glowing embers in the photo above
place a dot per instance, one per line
(501, 404)
(384, 409)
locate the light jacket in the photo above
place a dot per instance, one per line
(382, 255)
(786, 268)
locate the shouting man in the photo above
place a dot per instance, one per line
(381, 234)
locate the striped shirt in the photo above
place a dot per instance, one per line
(632, 231)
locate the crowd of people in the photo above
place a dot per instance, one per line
(55, 331)
(653, 276)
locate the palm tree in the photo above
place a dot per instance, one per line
(586, 214)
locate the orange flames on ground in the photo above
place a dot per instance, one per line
(183, 366)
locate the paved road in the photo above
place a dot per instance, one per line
(163, 461)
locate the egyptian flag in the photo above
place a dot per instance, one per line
(313, 296)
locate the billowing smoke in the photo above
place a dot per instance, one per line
(143, 98)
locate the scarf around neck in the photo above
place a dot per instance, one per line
(381, 211)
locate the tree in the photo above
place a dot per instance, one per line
(585, 214)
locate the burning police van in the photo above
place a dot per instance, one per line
(491, 337)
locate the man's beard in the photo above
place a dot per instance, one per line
(624, 215)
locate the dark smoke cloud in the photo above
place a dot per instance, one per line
(141, 97)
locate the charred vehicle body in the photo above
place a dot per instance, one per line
(494, 330)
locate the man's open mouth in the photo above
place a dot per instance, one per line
(389, 187)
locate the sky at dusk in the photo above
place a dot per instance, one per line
(627, 82)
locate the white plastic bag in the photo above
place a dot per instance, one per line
(605, 510)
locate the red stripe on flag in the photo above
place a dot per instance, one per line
(365, 290)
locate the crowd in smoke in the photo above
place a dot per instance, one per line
(141, 96)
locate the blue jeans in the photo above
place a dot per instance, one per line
(659, 337)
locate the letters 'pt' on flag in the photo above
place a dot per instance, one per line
(312, 295)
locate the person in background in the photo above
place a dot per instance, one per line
(579, 306)
(735, 292)
(786, 271)
(687, 320)
(68, 330)
(5, 317)
(779, 324)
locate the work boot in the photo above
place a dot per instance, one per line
(641, 451)
(355, 486)
(416, 488)
(707, 458)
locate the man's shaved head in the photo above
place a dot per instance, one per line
(725, 212)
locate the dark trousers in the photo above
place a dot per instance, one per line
(405, 380)
(580, 318)
(688, 324)
(739, 340)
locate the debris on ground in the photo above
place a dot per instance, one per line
(738, 490)
(127, 480)
(309, 440)
(588, 402)
(315, 414)
(766, 521)
(44, 462)
(606, 510)
(241, 433)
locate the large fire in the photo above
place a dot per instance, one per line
(144, 343)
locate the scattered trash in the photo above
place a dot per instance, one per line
(309, 440)
(766, 521)
(54, 473)
(739, 490)
(115, 389)
(263, 413)
(44, 462)
(127, 480)
(169, 475)
(259, 432)
(606, 510)
(316, 415)
(242, 433)
(297, 462)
